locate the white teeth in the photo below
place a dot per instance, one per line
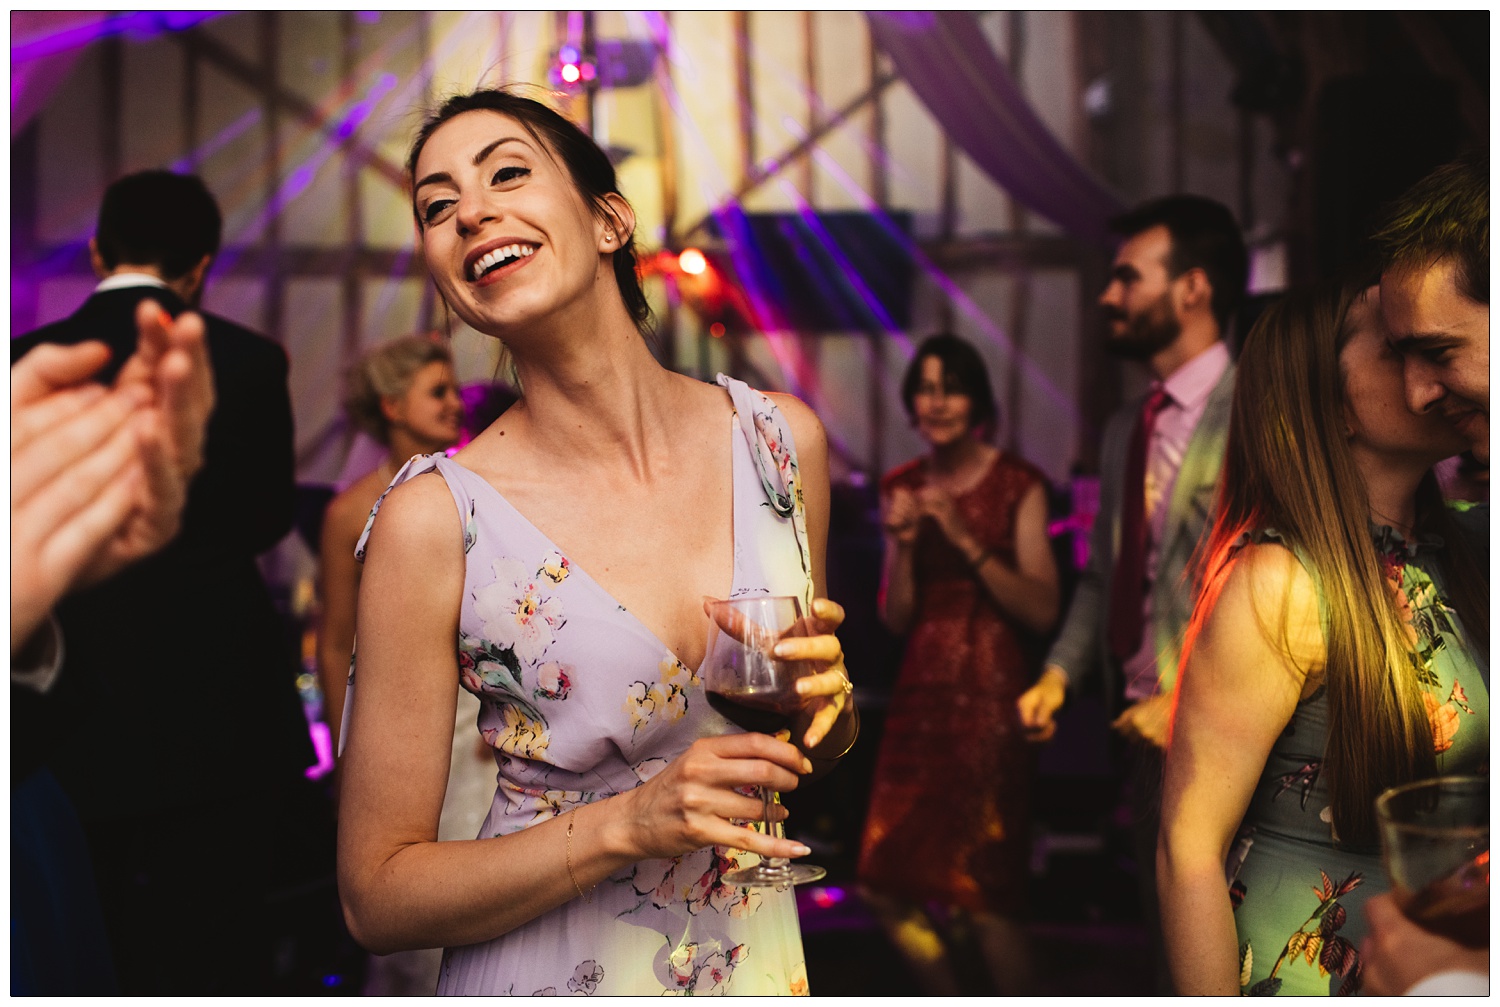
(498, 256)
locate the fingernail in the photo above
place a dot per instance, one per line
(802, 687)
(779, 650)
(798, 850)
(806, 764)
(783, 735)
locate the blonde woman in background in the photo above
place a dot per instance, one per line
(403, 394)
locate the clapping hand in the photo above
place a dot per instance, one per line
(938, 504)
(900, 515)
(99, 475)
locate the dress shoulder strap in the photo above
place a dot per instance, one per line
(770, 442)
(418, 465)
(769, 438)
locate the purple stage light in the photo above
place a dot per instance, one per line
(138, 23)
(322, 742)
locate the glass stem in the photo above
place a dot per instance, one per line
(767, 797)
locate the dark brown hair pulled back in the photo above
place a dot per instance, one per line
(587, 164)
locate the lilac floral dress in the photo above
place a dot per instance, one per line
(580, 702)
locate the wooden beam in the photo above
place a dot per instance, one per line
(879, 174)
(190, 88)
(744, 93)
(427, 307)
(267, 24)
(802, 147)
(1007, 252)
(112, 108)
(1020, 303)
(1176, 82)
(263, 79)
(350, 287)
(814, 103)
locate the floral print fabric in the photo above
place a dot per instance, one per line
(580, 701)
(1298, 897)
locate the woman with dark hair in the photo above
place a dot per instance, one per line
(557, 567)
(1337, 649)
(403, 394)
(970, 579)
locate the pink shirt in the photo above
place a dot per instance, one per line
(1188, 389)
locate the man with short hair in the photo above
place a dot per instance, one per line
(1178, 276)
(1435, 294)
(1434, 248)
(175, 727)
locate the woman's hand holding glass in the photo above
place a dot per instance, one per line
(694, 802)
(825, 693)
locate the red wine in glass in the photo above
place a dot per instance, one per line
(763, 712)
(756, 690)
(1455, 906)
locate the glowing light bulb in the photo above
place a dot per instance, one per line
(570, 73)
(691, 261)
(716, 330)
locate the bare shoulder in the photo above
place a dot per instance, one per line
(1269, 604)
(807, 429)
(418, 519)
(354, 503)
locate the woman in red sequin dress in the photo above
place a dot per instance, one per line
(968, 575)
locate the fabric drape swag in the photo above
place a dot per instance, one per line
(948, 62)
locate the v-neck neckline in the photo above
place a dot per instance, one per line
(576, 570)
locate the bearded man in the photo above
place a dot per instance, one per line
(1178, 276)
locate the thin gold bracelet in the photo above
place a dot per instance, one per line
(569, 856)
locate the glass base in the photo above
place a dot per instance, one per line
(779, 875)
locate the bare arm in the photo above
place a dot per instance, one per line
(403, 889)
(1027, 592)
(1236, 694)
(339, 575)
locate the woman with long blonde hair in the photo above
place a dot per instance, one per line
(1336, 650)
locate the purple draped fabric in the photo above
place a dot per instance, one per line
(949, 64)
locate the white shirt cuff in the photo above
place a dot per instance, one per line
(1455, 983)
(42, 659)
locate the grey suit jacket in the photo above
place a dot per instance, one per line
(1080, 649)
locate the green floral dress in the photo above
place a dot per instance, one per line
(1298, 897)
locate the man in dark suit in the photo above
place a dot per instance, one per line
(175, 726)
(1178, 276)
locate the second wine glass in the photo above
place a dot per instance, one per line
(758, 691)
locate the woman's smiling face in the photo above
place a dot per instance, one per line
(507, 236)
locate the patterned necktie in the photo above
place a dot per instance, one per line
(1128, 586)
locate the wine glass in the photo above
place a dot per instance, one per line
(1436, 838)
(757, 691)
